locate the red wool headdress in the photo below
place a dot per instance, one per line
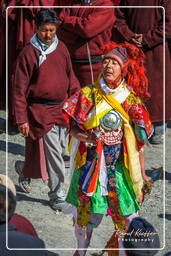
(133, 69)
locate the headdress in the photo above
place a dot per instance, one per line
(131, 59)
(119, 53)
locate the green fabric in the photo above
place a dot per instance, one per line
(126, 194)
(99, 203)
(141, 134)
(72, 196)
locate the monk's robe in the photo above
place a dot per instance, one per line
(149, 22)
(38, 97)
(80, 26)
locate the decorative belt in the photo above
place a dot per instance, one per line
(94, 59)
(45, 102)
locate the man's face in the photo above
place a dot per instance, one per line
(111, 69)
(46, 33)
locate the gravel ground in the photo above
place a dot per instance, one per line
(56, 228)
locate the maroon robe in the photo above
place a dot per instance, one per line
(32, 87)
(80, 26)
(149, 22)
(21, 27)
(2, 62)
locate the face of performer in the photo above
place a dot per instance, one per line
(111, 70)
(46, 33)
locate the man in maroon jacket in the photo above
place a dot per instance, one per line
(144, 27)
(42, 80)
(85, 31)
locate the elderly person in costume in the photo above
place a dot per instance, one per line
(111, 124)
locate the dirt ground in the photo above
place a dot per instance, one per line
(56, 228)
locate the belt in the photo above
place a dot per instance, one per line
(45, 102)
(94, 59)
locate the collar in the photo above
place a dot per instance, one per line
(42, 45)
(44, 52)
(107, 90)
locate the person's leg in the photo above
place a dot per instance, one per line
(83, 235)
(54, 145)
(66, 155)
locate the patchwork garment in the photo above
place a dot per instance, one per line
(107, 178)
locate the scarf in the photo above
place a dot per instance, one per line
(35, 42)
(131, 155)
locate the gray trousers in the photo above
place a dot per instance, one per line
(54, 146)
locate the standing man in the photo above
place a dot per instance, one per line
(85, 31)
(42, 80)
(144, 28)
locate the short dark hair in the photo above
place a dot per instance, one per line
(11, 203)
(46, 16)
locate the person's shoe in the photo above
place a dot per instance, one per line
(156, 139)
(57, 204)
(19, 164)
(13, 130)
(23, 181)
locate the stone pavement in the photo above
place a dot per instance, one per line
(56, 228)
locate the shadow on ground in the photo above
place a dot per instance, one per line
(167, 216)
(169, 124)
(24, 197)
(13, 148)
(52, 254)
(168, 176)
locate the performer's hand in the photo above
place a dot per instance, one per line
(83, 136)
(145, 177)
(92, 139)
(137, 39)
(24, 129)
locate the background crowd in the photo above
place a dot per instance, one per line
(84, 31)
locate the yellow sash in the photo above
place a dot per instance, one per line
(131, 158)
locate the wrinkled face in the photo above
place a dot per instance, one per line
(111, 69)
(46, 33)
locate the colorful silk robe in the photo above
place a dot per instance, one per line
(107, 178)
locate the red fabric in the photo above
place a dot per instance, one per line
(31, 82)
(116, 2)
(21, 27)
(23, 225)
(35, 162)
(2, 62)
(83, 72)
(93, 182)
(148, 21)
(82, 25)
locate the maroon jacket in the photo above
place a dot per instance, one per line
(21, 27)
(79, 26)
(149, 22)
(82, 25)
(33, 85)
